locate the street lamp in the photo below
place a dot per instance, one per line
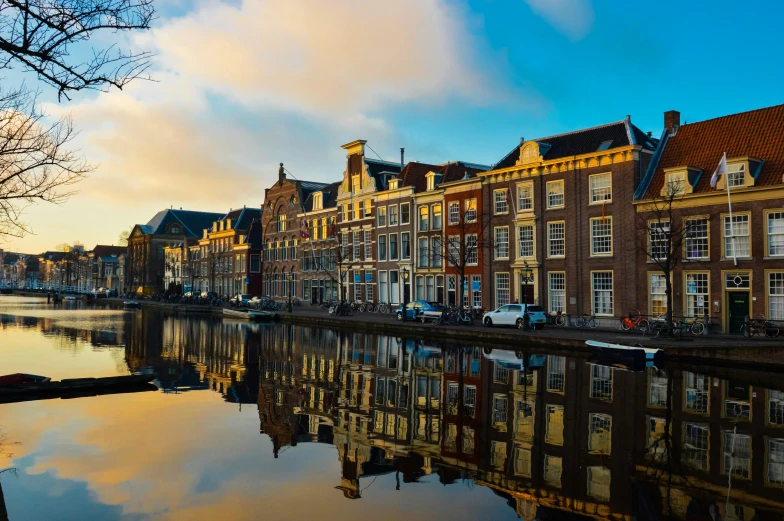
(526, 276)
(404, 271)
(290, 277)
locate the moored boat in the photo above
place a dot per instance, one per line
(131, 304)
(248, 314)
(42, 386)
(637, 353)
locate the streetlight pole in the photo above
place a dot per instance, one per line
(526, 275)
(405, 299)
(290, 279)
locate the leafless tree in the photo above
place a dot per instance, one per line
(336, 258)
(663, 235)
(35, 162)
(122, 239)
(467, 236)
(52, 39)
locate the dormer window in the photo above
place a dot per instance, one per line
(676, 183)
(431, 181)
(679, 180)
(736, 175)
(393, 184)
(317, 201)
(175, 229)
(529, 154)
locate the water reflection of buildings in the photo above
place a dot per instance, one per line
(559, 436)
(196, 353)
(96, 337)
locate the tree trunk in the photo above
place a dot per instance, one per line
(668, 293)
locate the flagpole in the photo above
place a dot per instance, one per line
(732, 224)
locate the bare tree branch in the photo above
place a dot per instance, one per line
(35, 162)
(49, 37)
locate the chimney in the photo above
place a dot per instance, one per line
(672, 120)
(402, 155)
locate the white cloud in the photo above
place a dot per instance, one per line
(574, 18)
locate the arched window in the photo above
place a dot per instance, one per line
(285, 250)
(281, 220)
(293, 244)
(268, 252)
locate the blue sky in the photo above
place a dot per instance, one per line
(242, 86)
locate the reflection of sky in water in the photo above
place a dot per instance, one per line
(167, 457)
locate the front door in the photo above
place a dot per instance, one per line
(738, 305)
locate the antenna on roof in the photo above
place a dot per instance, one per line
(522, 140)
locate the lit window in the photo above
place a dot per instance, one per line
(424, 219)
(775, 233)
(525, 197)
(602, 288)
(436, 220)
(555, 194)
(554, 425)
(553, 466)
(454, 212)
(696, 294)
(600, 433)
(736, 236)
(601, 187)
(556, 239)
(501, 202)
(599, 483)
(470, 210)
(522, 463)
(601, 236)
(658, 298)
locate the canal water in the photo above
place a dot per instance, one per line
(281, 422)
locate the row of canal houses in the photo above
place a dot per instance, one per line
(559, 221)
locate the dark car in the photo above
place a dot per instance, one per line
(419, 310)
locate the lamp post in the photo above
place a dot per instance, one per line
(290, 278)
(526, 276)
(404, 271)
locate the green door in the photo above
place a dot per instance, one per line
(739, 308)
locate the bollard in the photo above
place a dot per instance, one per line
(747, 326)
(705, 321)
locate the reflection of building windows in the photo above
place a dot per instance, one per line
(469, 400)
(657, 387)
(499, 411)
(656, 448)
(775, 407)
(601, 382)
(697, 392)
(696, 439)
(553, 466)
(775, 463)
(554, 425)
(737, 401)
(522, 462)
(450, 439)
(500, 373)
(599, 483)
(525, 418)
(468, 440)
(599, 433)
(556, 373)
(737, 454)
(498, 458)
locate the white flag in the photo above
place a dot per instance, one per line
(720, 170)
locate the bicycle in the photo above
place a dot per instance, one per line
(586, 320)
(761, 326)
(382, 307)
(639, 323)
(558, 318)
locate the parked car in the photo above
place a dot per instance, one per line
(209, 294)
(416, 309)
(240, 300)
(514, 315)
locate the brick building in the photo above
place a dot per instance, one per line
(318, 250)
(728, 268)
(566, 202)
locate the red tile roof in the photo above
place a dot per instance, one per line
(758, 133)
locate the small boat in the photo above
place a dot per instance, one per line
(637, 353)
(42, 386)
(21, 378)
(70, 297)
(248, 314)
(131, 304)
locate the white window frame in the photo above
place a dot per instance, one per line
(502, 284)
(551, 241)
(471, 210)
(697, 236)
(382, 241)
(393, 215)
(735, 172)
(740, 229)
(600, 191)
(525, 244)
(525, 197)
(454, 212)
(556, 291)
(602, 240)
(657, 293)
(658, 239)
(775, 231)
(553, 195)
(774, 288)
(472, 249)
(407, 205)
(368, 245)
(436, 209)
(500, 201)
(600, 309)
(381, 216)
(501, 243)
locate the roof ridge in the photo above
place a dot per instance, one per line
(781, 105)
(578, 131)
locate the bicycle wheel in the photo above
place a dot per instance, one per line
(771, 331)
(643, 325)
(625, 325)
(560, 320)
(362, 308)
(697, 328)
(593, 323)
(580, 322)
(382, 308)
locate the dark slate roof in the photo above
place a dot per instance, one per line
(241, 217)
(10, 258)
(31, 264)
(54, 256)
(758, 133)
(193, 222)
(414, 173)
(330, 197)
(620, 133)
(110, 258)
(108, 251)
(376, 168)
